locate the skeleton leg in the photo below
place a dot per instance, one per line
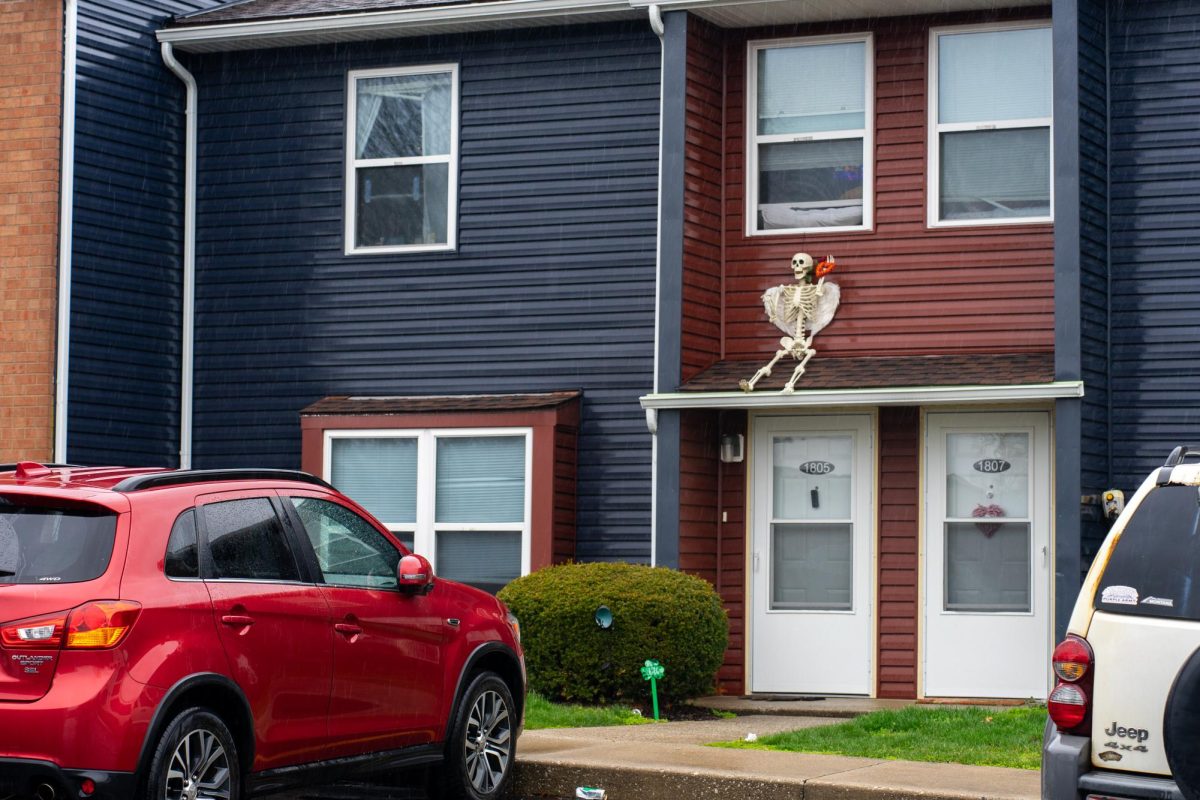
(807, 353)
(748, 385)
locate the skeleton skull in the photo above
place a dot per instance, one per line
(802, 263)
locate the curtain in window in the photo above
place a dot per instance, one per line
(481, 479)
(400, 116)
(380, 474)
(994, 75)
(812, 88)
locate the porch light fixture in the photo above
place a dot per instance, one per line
(733, 448)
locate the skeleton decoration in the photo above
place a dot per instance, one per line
(800, 310)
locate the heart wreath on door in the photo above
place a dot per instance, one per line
(988, 529)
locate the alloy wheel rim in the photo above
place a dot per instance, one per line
(199, 769)
(488, 742)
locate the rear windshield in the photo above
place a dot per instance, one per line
(1155, 567)
(40, 544)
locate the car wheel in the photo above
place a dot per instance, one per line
(196, 759)
(1181, 728)
(482, 743)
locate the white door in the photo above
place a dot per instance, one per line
(987, 555)
(812, 529)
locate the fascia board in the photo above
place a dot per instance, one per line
(914, 395)
(380, 24)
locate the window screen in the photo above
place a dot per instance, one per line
(247, 541)
(1154, 567)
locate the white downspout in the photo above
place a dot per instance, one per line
(66, 217)
(656, 25)
(189, 257)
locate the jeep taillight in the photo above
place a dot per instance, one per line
(96, 625)
(1069, 704)
(35, 633)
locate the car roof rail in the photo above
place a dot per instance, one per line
(1178, 456)
(180, 477)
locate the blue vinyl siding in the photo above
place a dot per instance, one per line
(551, 286)
(1155, 233)
(1093, 263)
(127, 249)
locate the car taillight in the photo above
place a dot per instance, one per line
(96, 625)
(1072, 658)
(36, 633)
(102, 624)
(1069, 704)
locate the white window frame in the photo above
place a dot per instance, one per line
(353, 164)
(936, 129)
(426, 527)
(753, 139)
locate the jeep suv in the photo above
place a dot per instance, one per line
(1125, 713)
(208, 634)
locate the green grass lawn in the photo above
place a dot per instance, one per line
(1008, 738)
(541, 713)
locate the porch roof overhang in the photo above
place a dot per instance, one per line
(256, 24)
(875, 381)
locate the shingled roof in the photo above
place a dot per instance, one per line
(262, 10)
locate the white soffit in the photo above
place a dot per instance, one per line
(416, 21)
(503, 14)
(755, 13)
(903, 395)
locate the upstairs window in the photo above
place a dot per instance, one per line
(990, 124)
(810, 111)
(402, 159)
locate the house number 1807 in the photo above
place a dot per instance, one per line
(992, 465)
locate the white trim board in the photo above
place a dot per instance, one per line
(911, 395)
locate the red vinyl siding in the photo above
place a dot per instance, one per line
(701, 320)
(712, 549)
(906, 288)
(899, 433)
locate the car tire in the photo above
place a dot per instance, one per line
(1181, 728)
(198, 740)
(482, 743)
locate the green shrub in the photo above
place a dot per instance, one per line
(658, 613)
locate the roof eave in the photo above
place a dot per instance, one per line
(891, 396)
(390, 24)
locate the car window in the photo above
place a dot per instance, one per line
(247, 541)
(1154, 569)
(48, 544)
(182, 560)
(349, 550)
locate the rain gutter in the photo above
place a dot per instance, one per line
(381, 24)
(66, 218)
(656, 25)
(189, 257)
(892, 396)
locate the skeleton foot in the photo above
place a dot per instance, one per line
(748, 386)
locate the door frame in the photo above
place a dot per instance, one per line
(923, 519)
(754, 419)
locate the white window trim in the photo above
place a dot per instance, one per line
(933, 186)
(425, 529)
(752, 139)
(354, 164)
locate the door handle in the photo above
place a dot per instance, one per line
(347, 629)
(237, 620)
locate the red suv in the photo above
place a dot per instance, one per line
(182, 635)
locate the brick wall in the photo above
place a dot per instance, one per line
(30, 107)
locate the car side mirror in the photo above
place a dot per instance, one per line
(415, 575)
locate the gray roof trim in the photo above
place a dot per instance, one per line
(413, 21)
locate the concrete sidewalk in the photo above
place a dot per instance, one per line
(670, 762)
